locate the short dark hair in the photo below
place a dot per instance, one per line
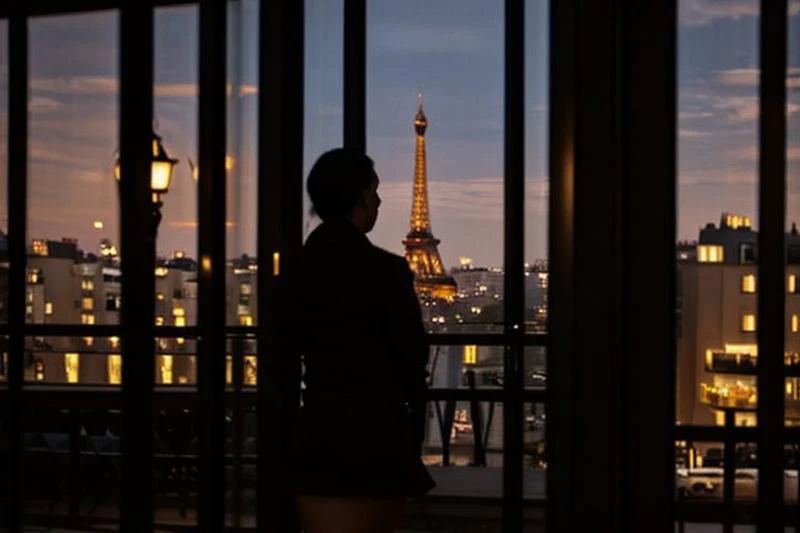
(336, 180)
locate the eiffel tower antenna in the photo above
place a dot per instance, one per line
(421, 246)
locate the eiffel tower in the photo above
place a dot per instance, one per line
(430, 279)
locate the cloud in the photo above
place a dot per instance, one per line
(397, 39)
(745, 108)
(42, 104)
(738, 108)
(705, 12)
(109, 85)
(750, 77)
(81, 85)
(474, 198)
(186, 90)
(247, 89)
(44, 153)
(718, 177)
(750, 153)
(693, 133)
(690, 115)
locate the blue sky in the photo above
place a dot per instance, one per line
(450, 51)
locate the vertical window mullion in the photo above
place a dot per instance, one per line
(17, 204)
(514, 262)
(771, 262)
(138, 265)
(355, 38)
(211, 252)
(280, 236)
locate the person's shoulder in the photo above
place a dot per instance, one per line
(391, 261)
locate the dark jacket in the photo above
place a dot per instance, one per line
(350, 310)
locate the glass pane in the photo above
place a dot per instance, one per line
(241, 431)
(717, 277)
(72, 466)
(466, 367)
(175, 122)
(176, 458)
(537, 40)
(176, 361)
(242, 162)
(791, 460)
(73, 361)
(745, 486)
(534, 448)
(324, 81)
(792, 348)
(534, 460)
(73, 204)
(699, 471)
(5, 440)
(441, 168)
(72, 455)
(3, 171)
(465, 434)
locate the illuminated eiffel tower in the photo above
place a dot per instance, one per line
(430, 279)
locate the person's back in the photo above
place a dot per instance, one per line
(350, 311)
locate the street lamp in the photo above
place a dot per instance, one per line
(162, 168)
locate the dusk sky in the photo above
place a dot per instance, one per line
(450, 51)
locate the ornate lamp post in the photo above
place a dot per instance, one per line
(161, 170)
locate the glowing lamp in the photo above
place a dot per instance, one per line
(162, 168)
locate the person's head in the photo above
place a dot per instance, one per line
(343, 185)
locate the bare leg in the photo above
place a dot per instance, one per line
(349, 515)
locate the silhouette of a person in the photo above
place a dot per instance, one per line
(349, 311)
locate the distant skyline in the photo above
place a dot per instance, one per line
(451, 51)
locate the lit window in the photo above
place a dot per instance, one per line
(39, 247)
(114, 368)
(38, 370)
(87, 304)
(72, 366)
(792, 284)
(250, 370)
(229, 369)
(470, 354)
(87, 319)
(166, 369)
(795, 323)
(160, 296)
(180, 340)
(710, 253)
(48, 308)
(246, 289)
(114, 342)
(87, 284)
(161, 271)
(749, 283)
(242, 309)
(180, 321)
(33, 277)
(30, 297)
(159, 321)
(179, 311)
(246, 320)
(748, 322)
(88, 341)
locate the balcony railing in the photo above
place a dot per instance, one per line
(722, 362)
(734, 397)
(741, 396)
